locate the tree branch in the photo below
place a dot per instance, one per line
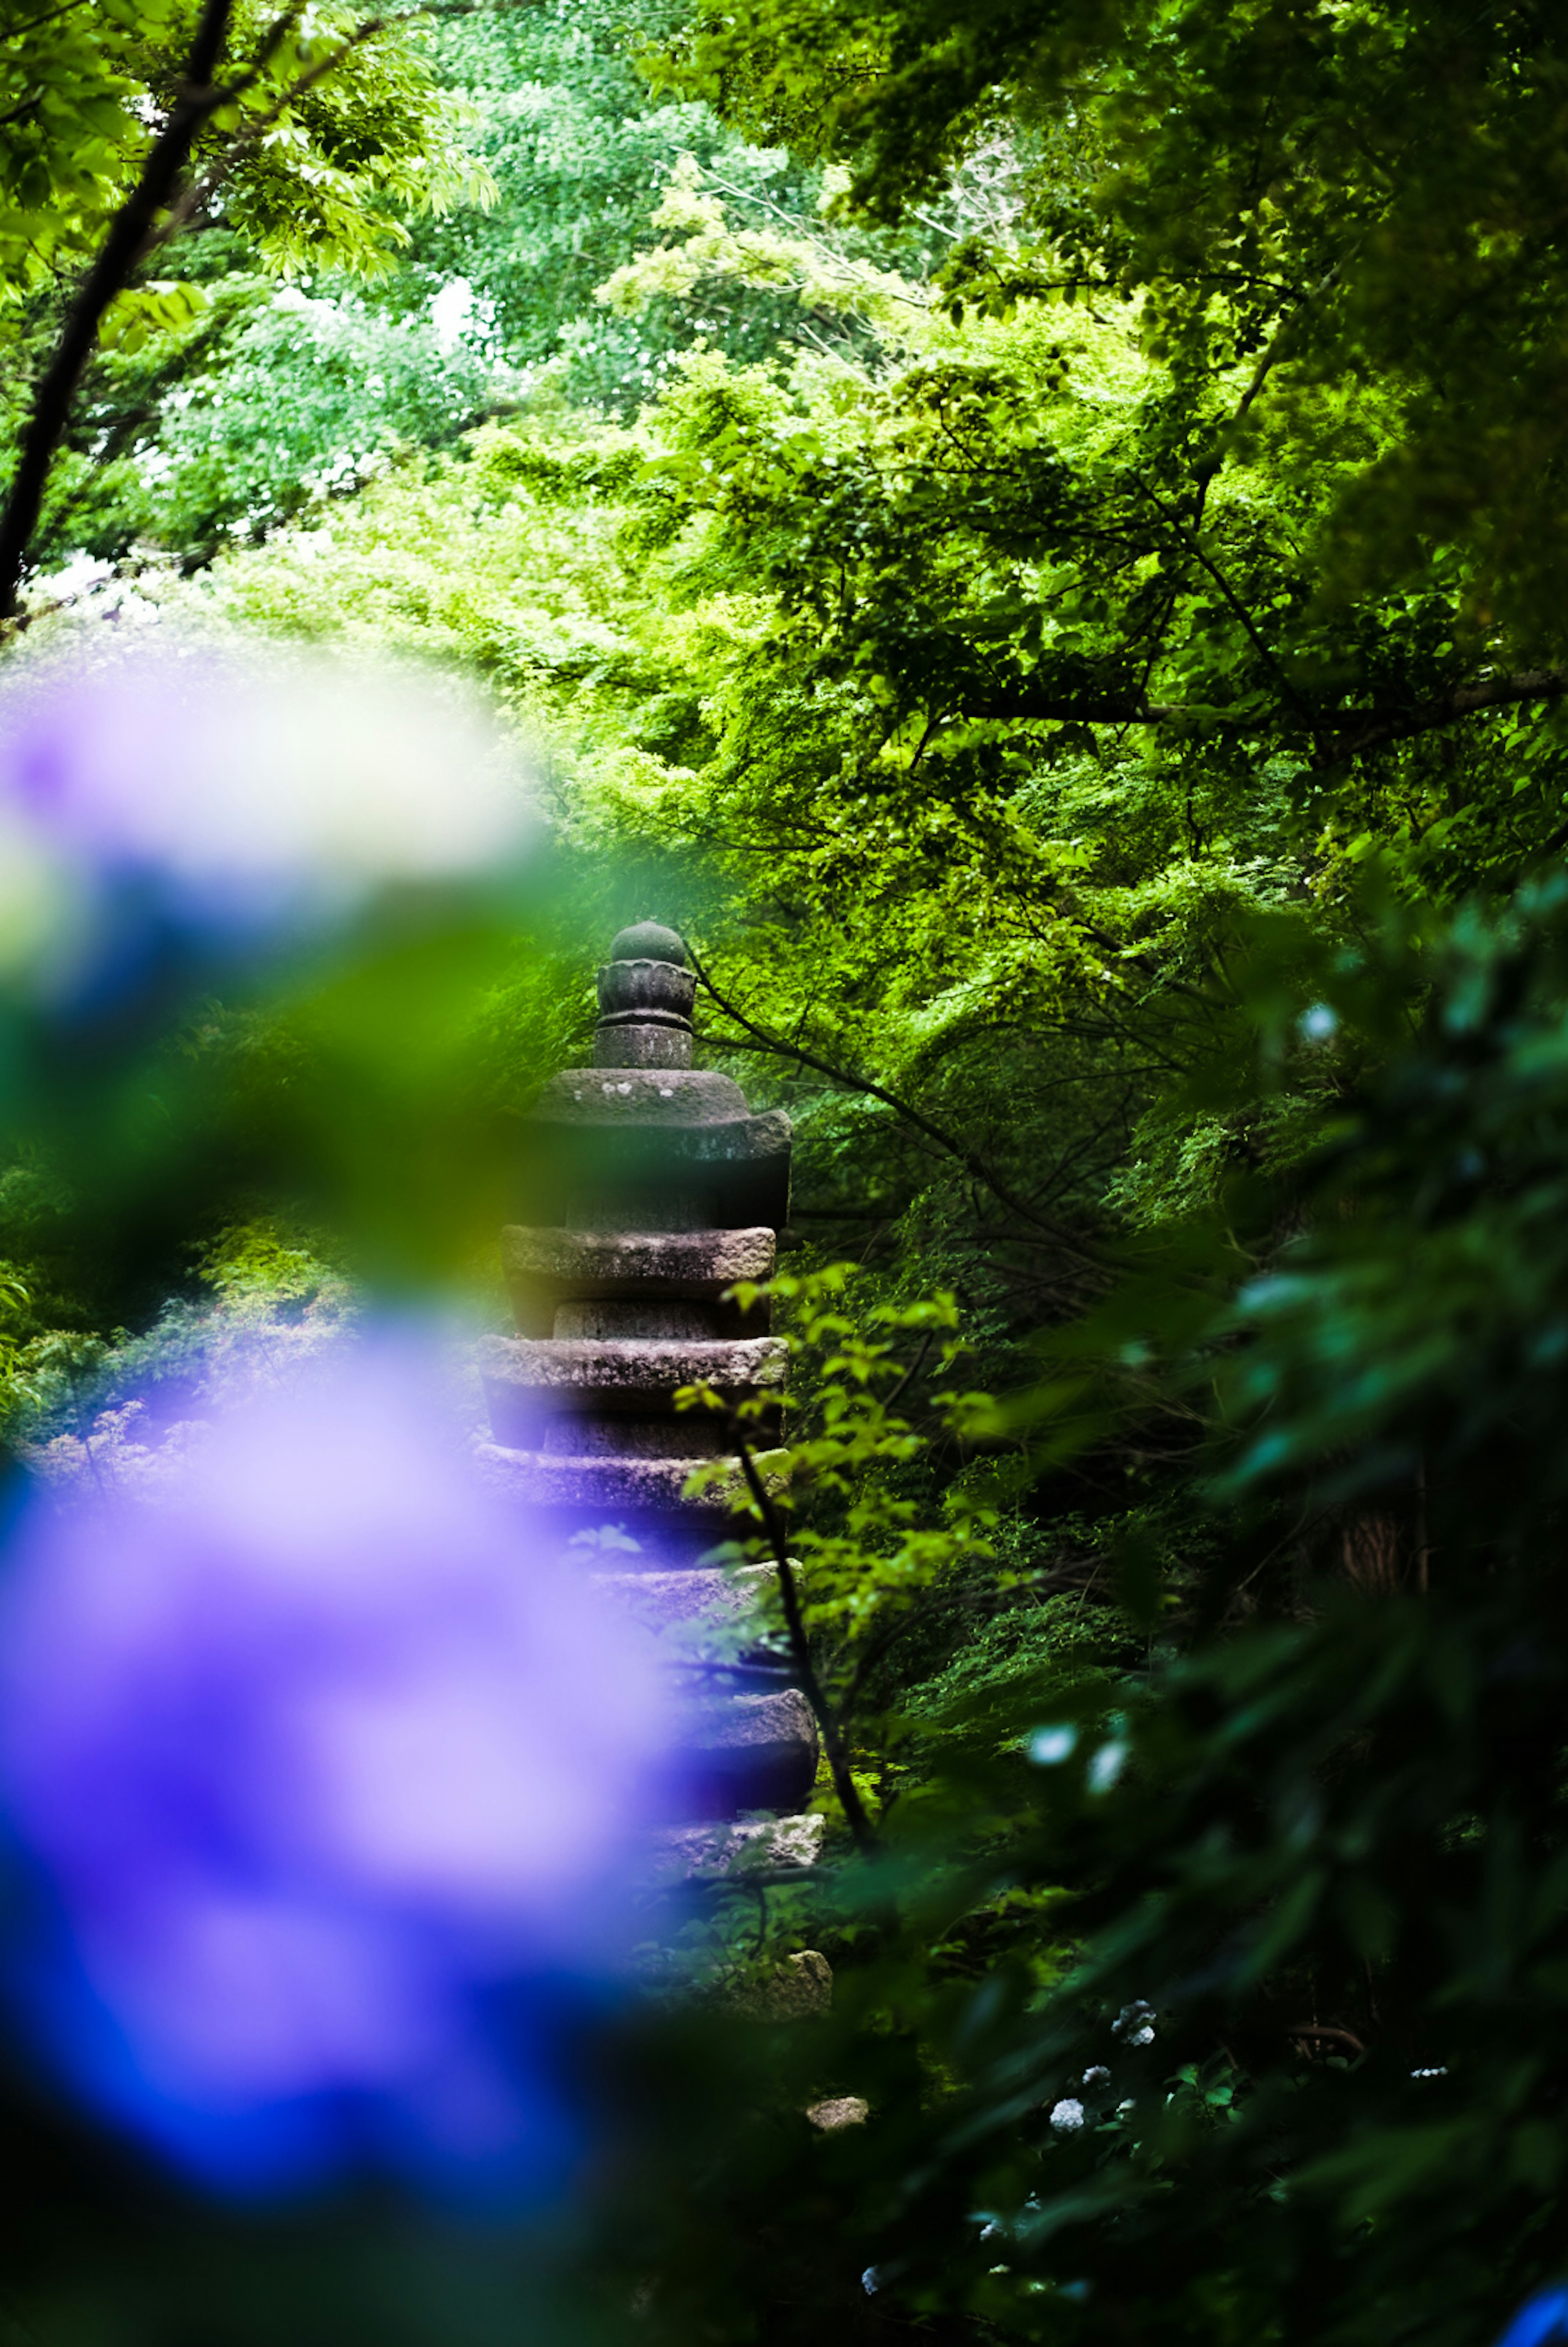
(122, 248)
(966, 1157)
(1069, 709)
(1344, 734)
(50, 16)
(1352, 735)
(197, 197)
(1329, 2031)
(1196, 547)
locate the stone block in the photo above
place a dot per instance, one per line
(652, 1148)
(669, 1319)
(640, 1374)
(698, 1264)
(638, 1043)
(839, 2111)
(748, 1752)
(799, 1989)
(749, 1722)
(702, 1593)
(672, 1097)
(637, 988)
(738, 1847)
(595, 1489)
(538, 1389)
(555, 1272)
(574, 1490)
(648, 941)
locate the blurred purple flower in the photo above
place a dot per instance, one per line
(175, 802)
(328, 1788)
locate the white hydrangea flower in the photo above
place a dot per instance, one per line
(1134, 2025)
(1067, 2116)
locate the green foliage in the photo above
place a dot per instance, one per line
(854, 1489)
(336, 125)
(1281, 2061)
(1342, 196)
(277, 404)
(332, 124)
(578, 147)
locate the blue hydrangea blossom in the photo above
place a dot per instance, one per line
(325, 1784)
(1540, 2322)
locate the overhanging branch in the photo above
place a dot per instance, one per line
(973, 1164)
(1352, 735)
(1344, 733)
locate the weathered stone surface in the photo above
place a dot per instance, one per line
(738, 1847)
(531, 1384)
(806, 1988)
(557, 1276)
(748, 1141)
(590, 1490)
(648, 941)
(748, 1752)
(679, 1098)
(640, 1043)
(582, 1263)
(566, 1437)
(839, 2111)
(639, 988)
(656, 1148)
(647, 1370)
(743, 1722)
(703, 1593)
(799, 1989)
(669, 1319)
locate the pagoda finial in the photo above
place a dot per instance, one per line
(645, 994)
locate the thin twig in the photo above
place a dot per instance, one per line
(50, 16)
(812, 1687)
(1196, 547)
(913, 1370)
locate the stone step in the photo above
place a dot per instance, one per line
(589, 1491)
(703, 1593)
(547, 1270)
(736, 1752)
(530, 1381)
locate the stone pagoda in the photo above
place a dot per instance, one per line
(650, 1190)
